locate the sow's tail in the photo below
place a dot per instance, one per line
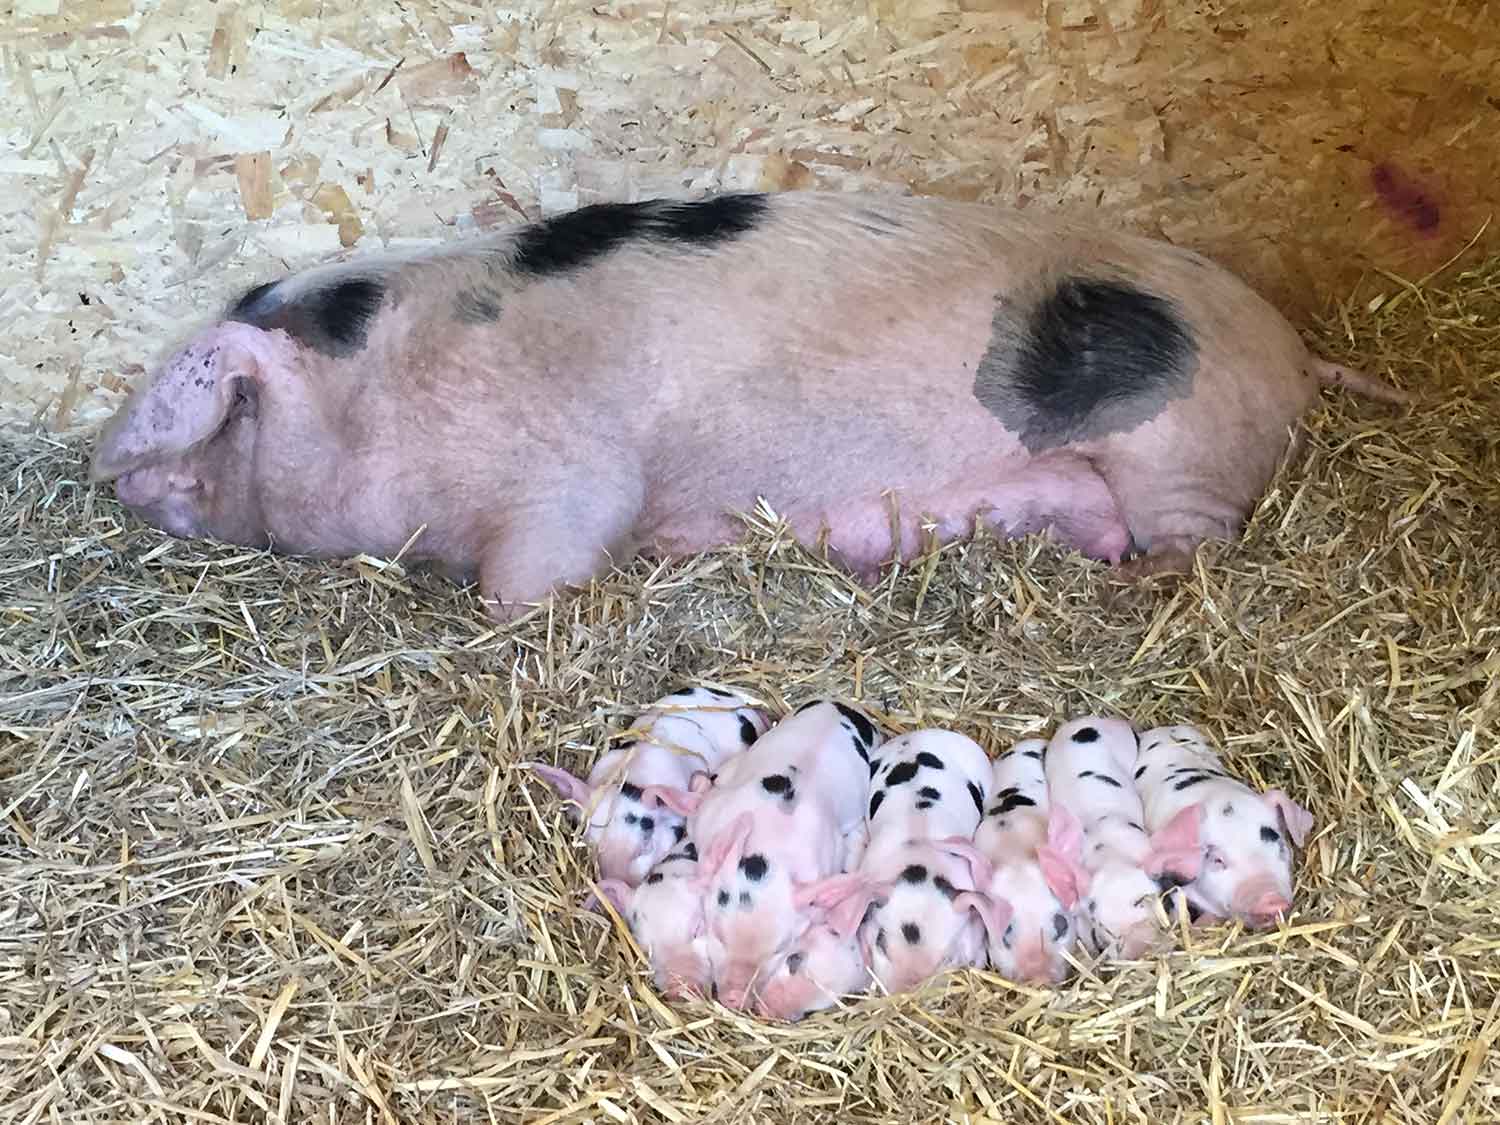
(1334, 375)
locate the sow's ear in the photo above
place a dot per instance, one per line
(189, 399)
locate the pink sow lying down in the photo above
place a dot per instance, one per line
(549, 401)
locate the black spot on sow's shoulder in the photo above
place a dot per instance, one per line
(571, 241)
(333, 320)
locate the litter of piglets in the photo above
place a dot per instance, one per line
(781, 866)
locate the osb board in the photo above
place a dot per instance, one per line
(158, 156)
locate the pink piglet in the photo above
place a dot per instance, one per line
(1242, 839)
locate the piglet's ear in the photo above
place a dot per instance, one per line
(725, 848)
(1298, 821)
(993, 911)
(824, 894)
(1176, 847)
(981, 870)
(568, 787)
(1064, 833)
(845, 918)
(1066, 877)
(680, 801)
(188, 400)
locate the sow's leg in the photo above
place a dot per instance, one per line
(1171, 509)
(1066, 494)
(568, 538)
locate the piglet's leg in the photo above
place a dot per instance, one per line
(565, 543)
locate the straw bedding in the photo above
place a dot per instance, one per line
(265, 857)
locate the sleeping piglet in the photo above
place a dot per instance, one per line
(1238, 835)
(821, 966)
(911, 890)
(1089, 764)
(778, 818)
(665, 913)
(690, 731)
(1027, 848)
(537, 405)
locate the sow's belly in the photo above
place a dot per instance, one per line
(870, 490)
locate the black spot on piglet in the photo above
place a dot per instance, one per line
(900, 774)
(1086, 734)
(930, 760)
(948, 890)
(754, 867)
(863, 725)
(914, 873)
(1010, 803)
(911, 932)
(1269, 834)
(978, 795)
(748, 733)
(875, 802)
(654, 878)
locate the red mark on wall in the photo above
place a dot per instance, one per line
(1405, 198)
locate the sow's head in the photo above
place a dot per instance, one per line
(185, 448)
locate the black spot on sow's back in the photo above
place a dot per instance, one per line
(571, 241)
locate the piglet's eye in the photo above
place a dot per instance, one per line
(1218, 862)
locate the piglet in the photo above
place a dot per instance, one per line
(1089, 763)
(1238, 835)
(1026, 849)
(928, 786)
(823, 965)
(690, 731)
(665, 913)
(777, 819)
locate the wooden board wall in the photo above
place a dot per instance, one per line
(155, 157)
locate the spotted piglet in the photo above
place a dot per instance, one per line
(1239, 836)
(777, 820)
(912, 891)
(1089, 764)
(665, 913)
(692, 730)
(821, 966)
(1027, 848)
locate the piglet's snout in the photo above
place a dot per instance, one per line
(1260, 904)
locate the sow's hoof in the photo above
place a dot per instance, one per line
(1168, 561)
